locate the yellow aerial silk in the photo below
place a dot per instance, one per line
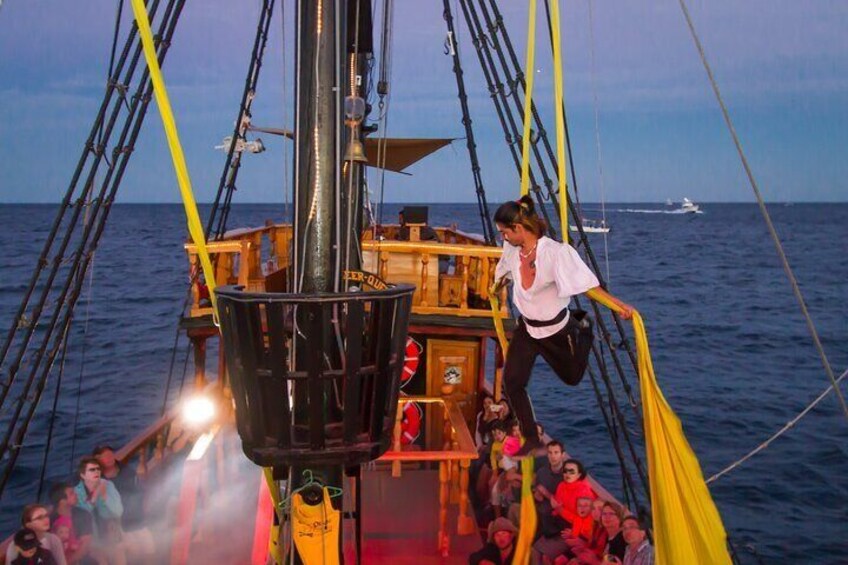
(687, 525)
(195, 228)
(315, 530)
(529, 74)
(527, 531)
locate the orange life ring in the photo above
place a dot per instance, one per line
(410, 360)
(410, 425)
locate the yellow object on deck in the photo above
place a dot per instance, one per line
(274, 549)
(527, 532)
(686, 522)
(316, 530)
(195, 228)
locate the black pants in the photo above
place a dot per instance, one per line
(567, 359)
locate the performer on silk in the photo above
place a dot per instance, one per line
(545, 275)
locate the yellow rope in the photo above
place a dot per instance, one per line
(195, 228)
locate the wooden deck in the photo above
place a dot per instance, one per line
(400, 516)
(401, 520)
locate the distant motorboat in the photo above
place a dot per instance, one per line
(592, 226)
(689, 207)
(668, 202)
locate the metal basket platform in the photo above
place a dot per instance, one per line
(339, 404)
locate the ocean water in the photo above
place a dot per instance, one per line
(731, 351)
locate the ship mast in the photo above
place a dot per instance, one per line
(323, 204)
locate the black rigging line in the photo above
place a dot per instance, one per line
(233, 162)
(90, 149)
(516, 93)
(121, 153)
(483, 206)
(53, 414)
(481, 43)
(229, 174)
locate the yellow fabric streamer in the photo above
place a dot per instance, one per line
(316, 531)
(562, 174)
(529, 75)
(527, 532)
(497, 320)
(195, 228)
(274, 549)
(687, 525)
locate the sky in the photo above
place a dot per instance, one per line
(644, 123)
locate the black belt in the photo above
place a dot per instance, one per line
(543, 324)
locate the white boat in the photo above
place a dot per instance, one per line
(689, 207)
(592, 226)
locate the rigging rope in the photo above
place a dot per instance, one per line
(772, 232)
(87, 241)
(789, 425)
(82, 364)
(595, 106)
(53, 413)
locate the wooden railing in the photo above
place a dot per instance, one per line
(452, 276)
(227, 256)
(454, 460)
(240, 258)
(461, 291)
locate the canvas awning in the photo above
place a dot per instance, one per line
(400, 153)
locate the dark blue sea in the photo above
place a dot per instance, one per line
(730, 348)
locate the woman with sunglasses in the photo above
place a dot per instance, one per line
(37, 518)
(573, 486)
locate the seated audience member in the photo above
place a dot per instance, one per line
(611, 516)
(561, 549)
(499, 434)
(639, 549)
(126, 483)
(35, 518)
(485, 419)
(29, 551)
(72, 525)
(99, 497)
(545, 482)
(504, 410)
(500, 548)
(137, 539)
(573, 486)
(506, 475)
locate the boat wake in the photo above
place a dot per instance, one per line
(646, 211)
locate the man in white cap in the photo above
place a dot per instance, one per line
(501, 547)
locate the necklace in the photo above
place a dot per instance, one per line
(529, 253)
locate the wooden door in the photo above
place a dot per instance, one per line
(454, 363)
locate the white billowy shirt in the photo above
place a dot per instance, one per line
(560, 274)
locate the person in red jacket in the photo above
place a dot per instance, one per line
(573, 486)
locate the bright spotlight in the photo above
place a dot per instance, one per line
(198, 411)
